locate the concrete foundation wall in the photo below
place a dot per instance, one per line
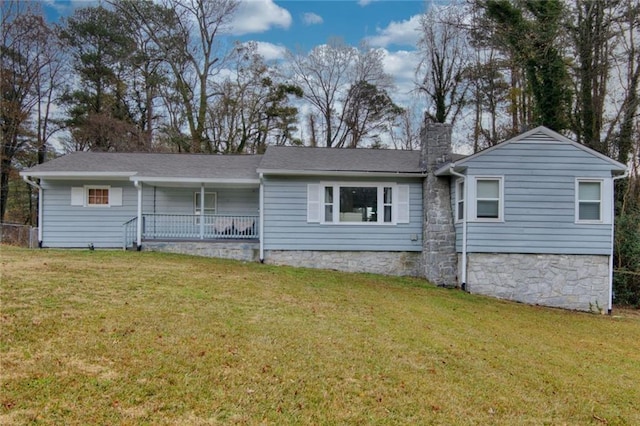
(387, 263)
(247, 251)
(578, 282)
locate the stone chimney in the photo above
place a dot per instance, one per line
(439, 258)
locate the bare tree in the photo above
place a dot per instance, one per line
(186, 33)
(26, 63)
(334, 77)
(444, 52)
(252, 110)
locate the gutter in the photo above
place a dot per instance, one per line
(40, 206)
(261, 220)
(284, 172)
(463, 285)
(613, 229)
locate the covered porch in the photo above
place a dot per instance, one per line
(183, 227)
(172, 211)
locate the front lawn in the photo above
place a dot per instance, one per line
(111, 337)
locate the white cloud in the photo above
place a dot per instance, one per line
(65, 8)
(365, 2)
(405, 33)
(312, 19)
(401, 65)
(270, 51)
(258, 16)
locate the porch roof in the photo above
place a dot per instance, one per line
(151, 167)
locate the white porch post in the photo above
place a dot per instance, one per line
(40, 211)
(139, 222)
(261, 219)
(202, 211)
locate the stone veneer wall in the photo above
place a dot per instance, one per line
(376, 262)
(236, 250)
(565, 281)
(439, 238)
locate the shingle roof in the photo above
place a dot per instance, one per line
(304, 159)
(199, 166)
(204, 166)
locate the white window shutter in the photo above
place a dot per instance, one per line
(115, 196)
(77, 196)
(313, 203)
(402, 204)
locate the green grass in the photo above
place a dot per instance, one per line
(110, 337)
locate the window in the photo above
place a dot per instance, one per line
(358, 203)
(589, 205)
(487, 204)
(328, 204)
(387, 203)
(459, 200)
(210, 201)
(97, 196)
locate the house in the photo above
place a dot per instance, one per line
(529, 220)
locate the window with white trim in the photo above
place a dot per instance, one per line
(589, 200)
(488, 195)
(210, 202)
(353, 203)
(96, 196)
(459, 200)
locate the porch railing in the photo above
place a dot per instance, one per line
(129, 229)
(184, 226)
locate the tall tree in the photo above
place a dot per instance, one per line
(186, 33)
(590, 28)
(531, 30)
(367, 112)
(329, 76)
(24, 64)
(99, 116)
(252, 109)
(631, 103)
(444, 57)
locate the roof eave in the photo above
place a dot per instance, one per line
(76, 175)
(158, 179)
(286, 172)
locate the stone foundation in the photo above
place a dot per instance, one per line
(377, 262)
(236, 250)
(578, 282)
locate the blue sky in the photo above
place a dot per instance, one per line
(314, 22)
(304, 24)
(300, 25)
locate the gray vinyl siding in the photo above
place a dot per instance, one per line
(286, 227)
(539, 201)
(68, 226)
(239, 201)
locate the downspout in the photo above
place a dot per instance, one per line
(613, 229)
(138, 185)
(40, 207)
(261, 219)
(464, 226)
